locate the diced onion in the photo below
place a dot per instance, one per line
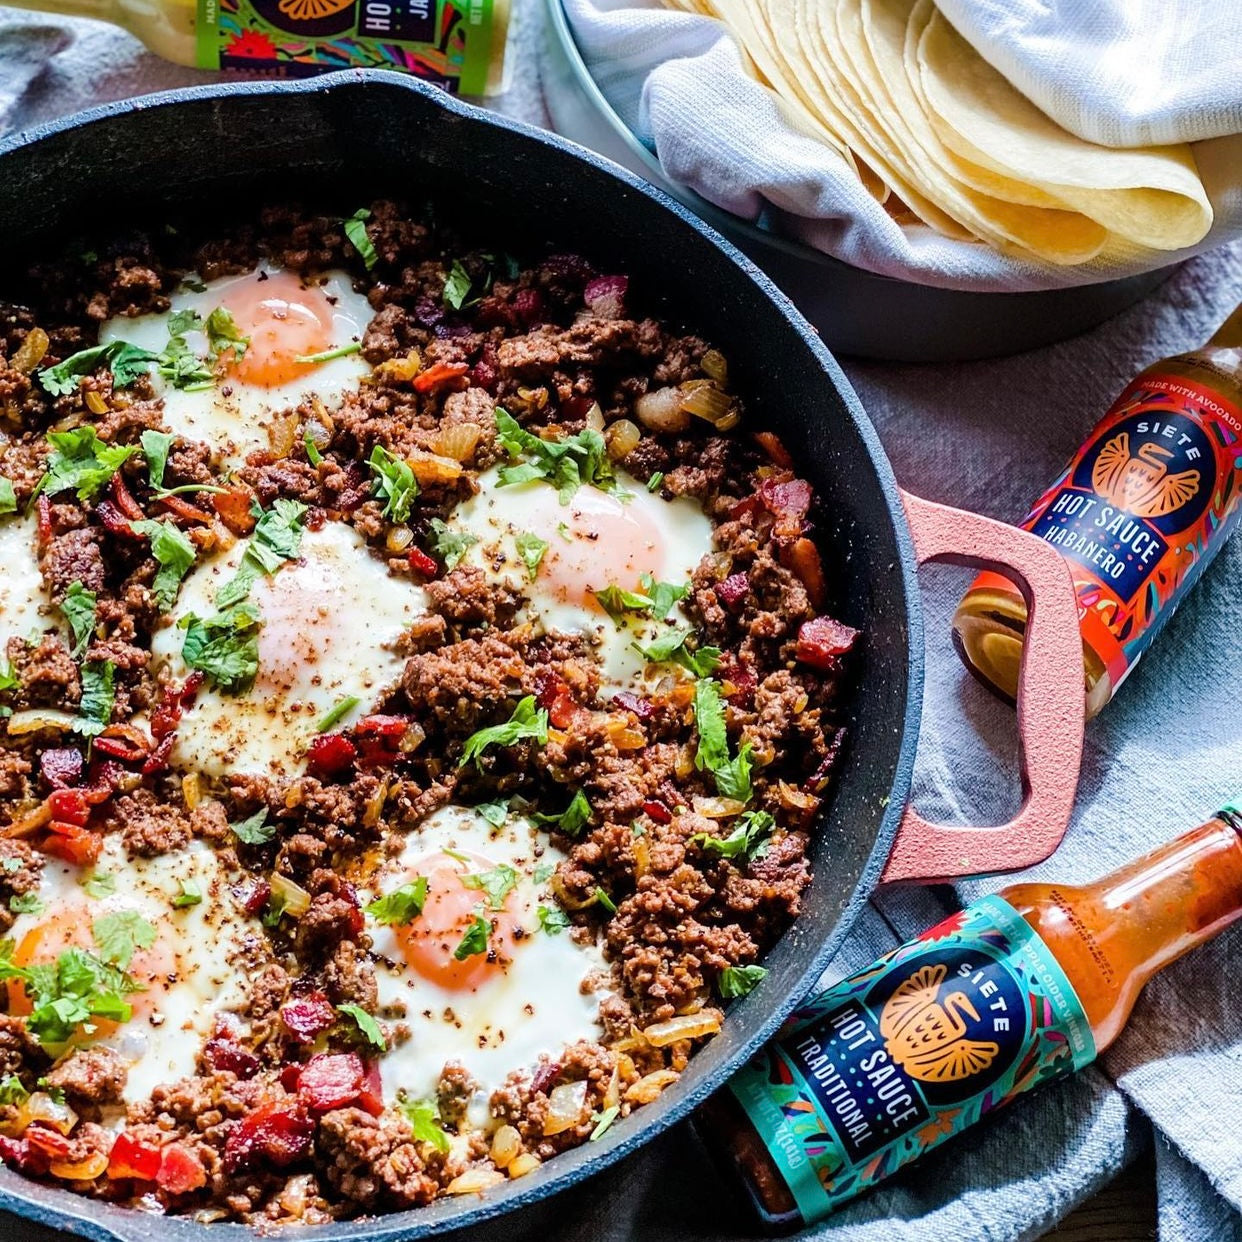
(475, 1181)
(567, 1106)
(32, 821)
(401, 369)
(95, 403)
(729, 421)
(622, 438)
(662, 410)
(42, 1108)
(795, 799)
(399, 538)
(684, 1026)
(595, 417)
(506, 1144)
(718, 808)
(458, 441)
(85, 1170)
(642, 857)
(430, 468)
(635, 1041)
(192, 789)
(612, 1097)
(375, 805)
(714, 366)
(622, 736)
(527, 1162)
(567, 899)
(533, 399)
(413, 737)
(282, 434)
(708, 402)
(36, 718)
(30, 352)
(647, 1088)
(289, 896)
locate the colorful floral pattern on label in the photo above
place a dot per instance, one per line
(890, 1062)
(448, 42)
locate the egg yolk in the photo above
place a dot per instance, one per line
(430, 940)
(284, 321)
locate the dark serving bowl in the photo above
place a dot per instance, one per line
(339, 139)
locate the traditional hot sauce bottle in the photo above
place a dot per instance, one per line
(1138, 513)
(1017, 989)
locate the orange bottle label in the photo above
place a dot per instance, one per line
(1141, 509)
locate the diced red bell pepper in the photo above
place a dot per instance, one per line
(658, 811)
(642, 708)
(371, 1093)
(123, 743)
(733, 590)
(184, 510)
(385, 726)
(330, 754)
(48, 1141)
(788, 500)
(128, 507)
(104, 778)
(158, 759)
(422, 563)
(167, 714)
(771, 444)
(115, 522)
(61, 767)
(69, 806)
(255, 901)
(43, 507)
(553, 693)
(276, 1133)
(307, 1016)
(823, 641)
(738, 679)
(545, 1076)
(228, 1056)
(289, 1076)
(20, 1155)
(440, 375)
(180, 1171)
(331, 1080)
(193, 684)
(75, 845)
(130, 1157)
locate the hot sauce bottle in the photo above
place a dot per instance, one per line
(1017, 989)
(1139, 512)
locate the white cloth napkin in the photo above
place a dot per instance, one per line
(677, 81)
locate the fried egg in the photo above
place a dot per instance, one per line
(25, 611)
(285, 317)
(329, 625)
(532, 992)
(599, 539)
(189, 973)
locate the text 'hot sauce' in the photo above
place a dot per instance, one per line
(1017, 989)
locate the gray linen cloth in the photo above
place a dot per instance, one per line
(986, 436)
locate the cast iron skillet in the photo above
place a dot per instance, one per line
(347, 136)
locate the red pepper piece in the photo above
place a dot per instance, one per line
(123, 742)
(20, 1155)
(289, 1076)
(157, 761)
(180, 1171)
(642, 708)
(115, 522)
(255, 901)
(184, 510)
(307, 1016)
(440, 375)
(330, 1080)
(770, 443)
(50, 1142)
(105, 777)
(230, 1057)
(130, 1157)
(545, 1076)
(788, 500)
(167, 714)
(371, 1093)
(69, 806)
(423, 564)
(749, 505)
(75, 845)
(733, 590)
(125, 502)
(276, 1133)
(61, 767)
(384, 726)
(193, 683)
(330, 754)
(823, 641)
(658, 811)
(43, 506)
(739, 679)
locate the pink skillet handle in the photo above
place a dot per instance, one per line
(1051, 702)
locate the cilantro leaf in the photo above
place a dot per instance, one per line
(8, 497)
(126, 362)
(156, 446)
(26, 903)
(371, 1030)
(12, 1091)
(738, 981)
(495, 884)
(79, 609)
(450, 545)
(177, 362)
(119, 935)
(313, 455)
(99, 884)
(277, 534)
(81, 460)
(223, 334)
(457, 286)
(733, 778)
(663, 595)
(356, 230)
(68, 993)
(402, 905)
(225, 646)
(674, 648)
(98, 696)
(394, 484)
(566, 463)
(475, 940)
(8, 675)
(572, 819)
(748, 840)
(603, 1122)
(254, 830)
(552, 919)
(531, 549)
(495, 813)
(424, 1122)
(603, 899)
(655, 600)
(526, 721)
(173, 552)
(732, 775)
(544, 872)
(190, 895)
(337, 713)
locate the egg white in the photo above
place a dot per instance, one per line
(596, 540)
(330, 622)
(233, 416)
(25, 610)
(547, 997)
(202, 944)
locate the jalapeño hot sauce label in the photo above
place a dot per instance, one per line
(448, 42)
(1141, 510)
(890, 1062)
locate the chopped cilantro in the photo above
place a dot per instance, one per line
(79, 609)
(566, 463)
(254, 830)
(338, 713)
(543, 873)
(603, 899)
(8, 675)
(276, 538)
(572, 819)
(313, 455)
(563, 530)
(675, 647)
(126, 362)
(732, 775)
(424, 1122)
(748, 840)
(394, 484)
(402, 905)
(327, 355)
(475, 940)
(356, 230)
(738, 981)
(222, 334)
(603, 1122)
(156, 446)
(67, 993)
(119, 935)
(531, 549)
(99, 884)
(190, 895)
(371, 1030)
(178, 363)
(174, 554)
(81, 460)
(494, 812)
(656, 598)
(8, 497)
(656, 481)
(456, 286)
(526, 721)
(26, 903)
(193, 284)
(12, 1091)
(552, 919)
(450, 545)
(225, 647)
(98, 696)
(495, 884)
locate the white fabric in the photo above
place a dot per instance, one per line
(677, 80)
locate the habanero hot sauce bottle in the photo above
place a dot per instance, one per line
(1138, 513)
(1017, 989)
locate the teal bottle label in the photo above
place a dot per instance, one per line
(892, 1061)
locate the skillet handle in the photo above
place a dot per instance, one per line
(1051, 702)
